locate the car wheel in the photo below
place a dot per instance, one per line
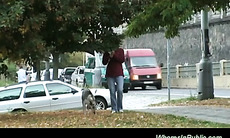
(19, 110)
(132, 87)
(159, 87)
(125, 90)
(143, 87)
(100, 103)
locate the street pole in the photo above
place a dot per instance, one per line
(205, 76)
(168, 67)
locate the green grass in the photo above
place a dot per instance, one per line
(102, 119)
(193, 101)
(6, 82)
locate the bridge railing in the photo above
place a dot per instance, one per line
(191, 71)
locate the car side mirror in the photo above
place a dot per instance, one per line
(74, 91)
(161, 65)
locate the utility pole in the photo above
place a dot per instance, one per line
(205, 76)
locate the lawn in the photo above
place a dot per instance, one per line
(193, 101)
(102, 119)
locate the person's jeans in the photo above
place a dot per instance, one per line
(115, 85)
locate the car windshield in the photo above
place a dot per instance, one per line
(147, 61)
(69, 71)
(81, 71)
(57, 88)
(10, 94)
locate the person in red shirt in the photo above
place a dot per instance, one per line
(115, 77)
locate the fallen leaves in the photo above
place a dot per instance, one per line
(104, 119)
(217, 102)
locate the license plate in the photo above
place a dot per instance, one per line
(148, 82)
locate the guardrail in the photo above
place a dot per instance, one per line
(185, 76)
(212, 15)
(190, 71)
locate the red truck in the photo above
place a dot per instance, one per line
(143, 68)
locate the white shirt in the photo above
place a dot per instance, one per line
(21, 75)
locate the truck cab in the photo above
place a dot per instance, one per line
(143, 68)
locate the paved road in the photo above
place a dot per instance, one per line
(139, 100)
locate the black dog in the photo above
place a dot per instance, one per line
(88, 101)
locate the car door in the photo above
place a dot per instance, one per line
(9, 99)
(63, 96)
(35, 98)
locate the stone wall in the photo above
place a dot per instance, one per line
(186, 49)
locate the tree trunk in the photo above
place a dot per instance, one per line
(55, 65)
(38, 70)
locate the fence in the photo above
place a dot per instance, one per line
(186, 76)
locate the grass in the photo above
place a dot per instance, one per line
(193, 101)
(102, 119)
(6, 82)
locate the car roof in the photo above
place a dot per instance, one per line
(29, 83)
(81, 67)
(70, 67)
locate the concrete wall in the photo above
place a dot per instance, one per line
(186, 48)
(221, 82)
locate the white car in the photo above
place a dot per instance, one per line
(66, 74)
(47, 96)
(77, 77)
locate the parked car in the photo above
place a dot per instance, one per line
(77, 77)
(47, 96)
(66, 74)
(143, 68)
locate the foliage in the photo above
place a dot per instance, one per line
(6, 82)
(7, 72)
(33, 28)
(75, 59)
(169, 15)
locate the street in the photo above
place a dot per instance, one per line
(140, 99)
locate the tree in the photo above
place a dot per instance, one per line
(169, 15)
(33, 29)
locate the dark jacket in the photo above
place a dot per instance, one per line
(114, 67)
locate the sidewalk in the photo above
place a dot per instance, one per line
(213, 114)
